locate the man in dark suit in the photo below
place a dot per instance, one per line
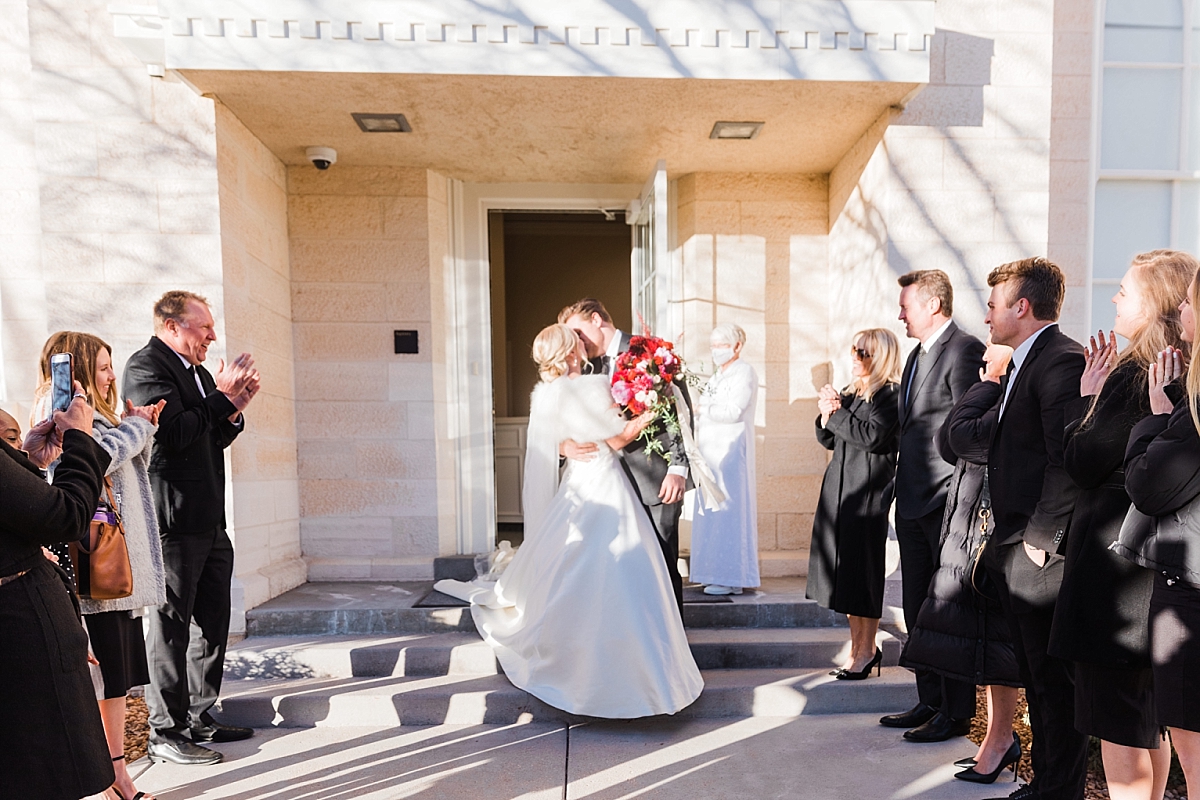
(1032, 501)
(202, 416)
(659, 482)
(939, 371)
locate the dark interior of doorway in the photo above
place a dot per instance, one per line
(540, 262)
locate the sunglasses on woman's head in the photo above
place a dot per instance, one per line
(863, 355)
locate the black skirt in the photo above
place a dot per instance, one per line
(120, 646)
(1116, 704)
(1175, 649)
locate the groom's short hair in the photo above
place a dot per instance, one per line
(585, 308)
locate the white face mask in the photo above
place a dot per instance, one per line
(722, 355)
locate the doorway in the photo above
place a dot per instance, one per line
(540, 262)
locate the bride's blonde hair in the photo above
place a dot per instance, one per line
(552, 349)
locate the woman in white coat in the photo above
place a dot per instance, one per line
(725, 542)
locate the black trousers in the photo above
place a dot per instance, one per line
(1028, 594)
(920, 546)
(186, 662)
(665, 519)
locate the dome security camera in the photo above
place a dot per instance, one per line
(321, 157)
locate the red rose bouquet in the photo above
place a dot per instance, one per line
(641, 382)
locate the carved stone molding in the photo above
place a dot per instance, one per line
(885, 40)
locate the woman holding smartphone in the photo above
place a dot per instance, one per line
(115, 626)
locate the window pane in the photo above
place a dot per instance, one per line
(1193, 134)
(1160, 13)
(1104, 313)
(1131, 217)
(1189, 217)
(1143, 43)
(1140, 124)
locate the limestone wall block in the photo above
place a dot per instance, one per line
(344, 341)
(1023, 59)
(409, 301)
(363, 536)
(324, 459)
(253, 506)
(272, 291)
(334, 569)
(406, 218)
(918, 163)
(722, 217)
(1074, 15)
(22, 256)
(361, 261)
(760, 186)
(1022, 216)
(155, 258)
(395, 459)
(335, 217)
(73, 205)
(1072, 51)
(1072, 139)
(1073, 97)
(779, 221)
(67, 148)
(320, 419)
(791, 417)
(794, 531)
(58, 38)
(1023, 111)
(178, 109)
(1070, 180)
(409, 380)
(87, 94)
(350, 381)
(415, 536)
(1025, 16)
(778, 494)
(188, 206)
(937, 216)
(19, 210)
(129, 148)
(359, 181)
(332, 302)
(766, 532)
(794, 455)
(1073, 260)
(1068, 223)
(996, 165)
(421, 421)
(22, 299)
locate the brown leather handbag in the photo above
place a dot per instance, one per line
(102, 570)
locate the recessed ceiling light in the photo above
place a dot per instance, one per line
(735, 130)
(382, 123)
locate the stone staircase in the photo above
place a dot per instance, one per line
(340, 654)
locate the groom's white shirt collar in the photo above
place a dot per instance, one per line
(614, 346)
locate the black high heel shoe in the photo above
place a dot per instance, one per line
(1012, 757)
(970, 762)
(865, 672)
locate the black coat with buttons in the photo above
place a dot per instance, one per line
(1104, 602)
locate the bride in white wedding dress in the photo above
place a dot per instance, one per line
(584, 617)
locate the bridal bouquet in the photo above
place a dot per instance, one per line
(641, 382)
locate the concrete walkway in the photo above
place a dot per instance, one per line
(810, 757)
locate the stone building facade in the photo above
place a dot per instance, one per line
(147, 147)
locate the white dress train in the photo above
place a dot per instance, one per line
(725, 541)
(584, 617)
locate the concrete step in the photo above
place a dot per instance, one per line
(461, 653)
(341, 609)
(491, 699)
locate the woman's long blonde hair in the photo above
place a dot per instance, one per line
(552, 351)
(1164, 277)
(84, 348)
(884, 348)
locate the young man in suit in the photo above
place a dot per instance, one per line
(201, 418)
(939, 371)
(1032, 502)
(659, 483)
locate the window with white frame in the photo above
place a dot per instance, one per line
(1148, 187)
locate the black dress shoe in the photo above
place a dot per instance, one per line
(216, 732)
(939, 729)
(178, 751)
(1025, 792)
(917, 715)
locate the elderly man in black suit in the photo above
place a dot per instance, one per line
(1032, 501)
(944, 364)
(202, 416)
(659, 482)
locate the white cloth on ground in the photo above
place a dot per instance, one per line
(584, 618)
(725, 541)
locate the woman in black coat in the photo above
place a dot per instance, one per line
(1101, 619)
(961, 631)
(1162, 477)
(849, 539)
(52, 739)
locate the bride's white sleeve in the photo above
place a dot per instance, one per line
(541, 458)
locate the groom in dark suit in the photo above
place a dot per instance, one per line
(659, 483)
(944, 364)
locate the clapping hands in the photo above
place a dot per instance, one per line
(828, 401)
(148, 413)
(239, 382)
(1164, 370)
(1100, 360)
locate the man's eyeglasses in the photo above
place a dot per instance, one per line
(863, 355)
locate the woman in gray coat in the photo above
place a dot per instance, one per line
(115, 626)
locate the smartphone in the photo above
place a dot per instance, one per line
(61, 385)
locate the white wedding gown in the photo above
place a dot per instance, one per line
(584, 617)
